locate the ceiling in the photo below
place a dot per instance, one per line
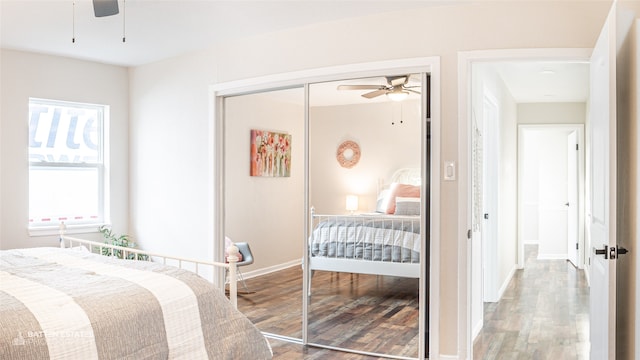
(527, 82)
(545, 81)
(160, 29)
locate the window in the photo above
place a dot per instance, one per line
(66, 163)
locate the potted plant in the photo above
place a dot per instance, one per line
(118, 240)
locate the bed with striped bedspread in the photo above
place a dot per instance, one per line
(68, 304)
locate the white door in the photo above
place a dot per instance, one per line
(491, 176)
(572, 198)
(552, 193)
(602, 172)
(477, 301)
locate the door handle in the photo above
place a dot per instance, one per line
(617, 251)
(602, 252)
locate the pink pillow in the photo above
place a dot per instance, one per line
(401, 190)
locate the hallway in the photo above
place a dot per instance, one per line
(543, 314)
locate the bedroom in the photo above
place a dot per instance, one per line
(160, 113)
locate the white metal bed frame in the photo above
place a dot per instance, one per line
(363, 266)
(412, 176)
(231, 266)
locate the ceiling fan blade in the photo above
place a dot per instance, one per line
(360, 87)
(103, 8)
(413, 91)
(371, 95)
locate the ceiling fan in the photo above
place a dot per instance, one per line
(396, 89)
(102, 8)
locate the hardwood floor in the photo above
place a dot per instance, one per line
(543, 314)
(377, 314)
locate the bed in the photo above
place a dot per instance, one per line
(385, 242)
(70, 303)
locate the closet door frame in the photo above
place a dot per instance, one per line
(302, 79)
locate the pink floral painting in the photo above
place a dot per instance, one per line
(270, 154)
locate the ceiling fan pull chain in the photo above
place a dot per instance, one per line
(73, 23)
(124, 14)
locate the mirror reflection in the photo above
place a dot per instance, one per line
(264, 202)
(364, 243)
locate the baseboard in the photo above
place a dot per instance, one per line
(476, 330)
(270, 269)
(506, 282)
(448, 357)
(586, 275)
(552, 256)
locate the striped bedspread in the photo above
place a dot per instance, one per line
(69, 304)
(374, 238)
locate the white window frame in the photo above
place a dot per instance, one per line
(102, 166)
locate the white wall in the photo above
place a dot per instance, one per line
(384, 147)
(530, 189)
(174, 92)
(27, 75)
(169, 155)
(552, 113)
(266, 212)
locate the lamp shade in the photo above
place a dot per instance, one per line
(352, 203)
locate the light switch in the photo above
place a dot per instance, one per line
(450, 170)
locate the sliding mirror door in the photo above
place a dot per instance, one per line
(264, 204)
(365, 182)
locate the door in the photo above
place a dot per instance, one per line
(602, 173)
(550, 146)
(490, 181)
(572, 198)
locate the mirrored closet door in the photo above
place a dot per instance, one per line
(366, 160)
(264, 204)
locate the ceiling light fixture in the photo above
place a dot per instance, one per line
(397, 94)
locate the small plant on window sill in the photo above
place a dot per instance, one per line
(118, 240)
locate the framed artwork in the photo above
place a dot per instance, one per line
(270, 154)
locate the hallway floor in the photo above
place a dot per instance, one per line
(543, 314)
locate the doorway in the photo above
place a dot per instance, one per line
(511, 258)
(551, 191)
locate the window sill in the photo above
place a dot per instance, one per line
(71, 229)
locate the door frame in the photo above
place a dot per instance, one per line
(465, 61)
(216, 201)
(580, 129)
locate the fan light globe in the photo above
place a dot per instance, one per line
(397, 95)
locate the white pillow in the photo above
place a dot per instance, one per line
(407, 206)
(382, 202)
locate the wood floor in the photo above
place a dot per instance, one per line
(376, 314)
(543, 314)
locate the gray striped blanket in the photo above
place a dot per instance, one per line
(68, 304)
(374, 238)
